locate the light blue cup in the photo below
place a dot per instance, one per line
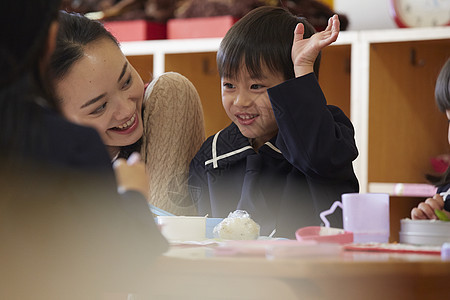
(210, 224)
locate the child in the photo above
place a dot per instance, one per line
(288, 155)
(425, 210)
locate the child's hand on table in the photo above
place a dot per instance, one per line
(425, 210)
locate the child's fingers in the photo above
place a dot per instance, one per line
(427, 210)
(330, 34)
(329, 24)
(298, 32)
(439, 198)
(435, 203)
(417, 214)
(332, 30)
(336, 24)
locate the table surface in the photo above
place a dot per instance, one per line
(199, 273)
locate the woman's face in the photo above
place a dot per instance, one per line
(104, 91)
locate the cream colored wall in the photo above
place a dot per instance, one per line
(366, 14)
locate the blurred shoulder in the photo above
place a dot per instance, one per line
(73, 145)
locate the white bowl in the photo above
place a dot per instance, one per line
(424, 232)
(180, 228)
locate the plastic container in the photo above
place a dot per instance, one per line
(365, 214)
(179, 228)
(324, 235)
(210, 224)
(424, 232)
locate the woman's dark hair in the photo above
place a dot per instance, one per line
(24, 28)
(75, 32)
(263, 36)
(442, 97)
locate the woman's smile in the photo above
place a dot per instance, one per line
(127, 127)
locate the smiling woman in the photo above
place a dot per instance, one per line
(98, 87)
(104, 91)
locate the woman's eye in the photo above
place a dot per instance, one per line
(128, 82)
(99, 109)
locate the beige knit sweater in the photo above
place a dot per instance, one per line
(173, 133)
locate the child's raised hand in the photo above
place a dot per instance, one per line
(305, 51)
(425, 210)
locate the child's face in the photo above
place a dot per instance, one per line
(104, 91)
(247, 104)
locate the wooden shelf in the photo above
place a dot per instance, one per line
(421, 190)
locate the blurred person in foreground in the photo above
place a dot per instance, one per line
(66, 233)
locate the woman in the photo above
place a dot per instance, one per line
(65, 232)
(98, 87)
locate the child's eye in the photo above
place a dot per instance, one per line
(99, 109)
(228, 85)
(256, 86)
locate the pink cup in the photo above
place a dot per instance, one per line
(366, 215)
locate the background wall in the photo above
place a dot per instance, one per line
(366, 14)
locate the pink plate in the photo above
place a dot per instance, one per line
(324, 235)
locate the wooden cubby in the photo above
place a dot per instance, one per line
(201, 69)
(405, 127)
(335, 76)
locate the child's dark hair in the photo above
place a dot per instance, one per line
(75, 32)
(442, 89)
(442, 97)
(263, 37)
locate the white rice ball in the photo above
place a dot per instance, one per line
(237, 226)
